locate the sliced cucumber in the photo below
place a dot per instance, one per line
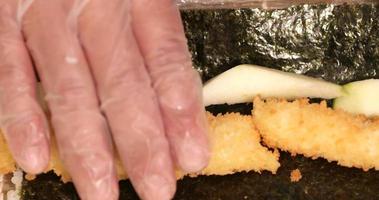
(242, 83)
(361, 97)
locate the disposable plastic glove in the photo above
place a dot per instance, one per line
(114, 69)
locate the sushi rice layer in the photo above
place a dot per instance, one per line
(10, 186)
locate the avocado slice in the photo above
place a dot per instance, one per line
(360, 97)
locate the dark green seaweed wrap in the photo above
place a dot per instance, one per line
(337, 43)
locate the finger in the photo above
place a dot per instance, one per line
(127, 97)
(21, 118)
(82, 136)
(160, 35)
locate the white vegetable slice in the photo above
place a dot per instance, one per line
(361, 97)
(242, 83)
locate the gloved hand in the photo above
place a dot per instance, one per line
(114, 66)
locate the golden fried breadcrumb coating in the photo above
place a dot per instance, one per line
(315, 130)
(295, 175)
(235, 147)
(7, 164)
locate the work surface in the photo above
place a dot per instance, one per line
(337, 43)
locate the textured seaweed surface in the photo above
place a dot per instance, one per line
(321, 180)
(338, 43)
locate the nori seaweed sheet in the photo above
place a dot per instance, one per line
(320, 180)
(337, 43)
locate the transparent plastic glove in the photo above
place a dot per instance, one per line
(126, 59)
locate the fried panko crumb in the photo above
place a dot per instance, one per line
(315, 130)
(295, 175)
(7, 164)
(30, 177)
(235, 147)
